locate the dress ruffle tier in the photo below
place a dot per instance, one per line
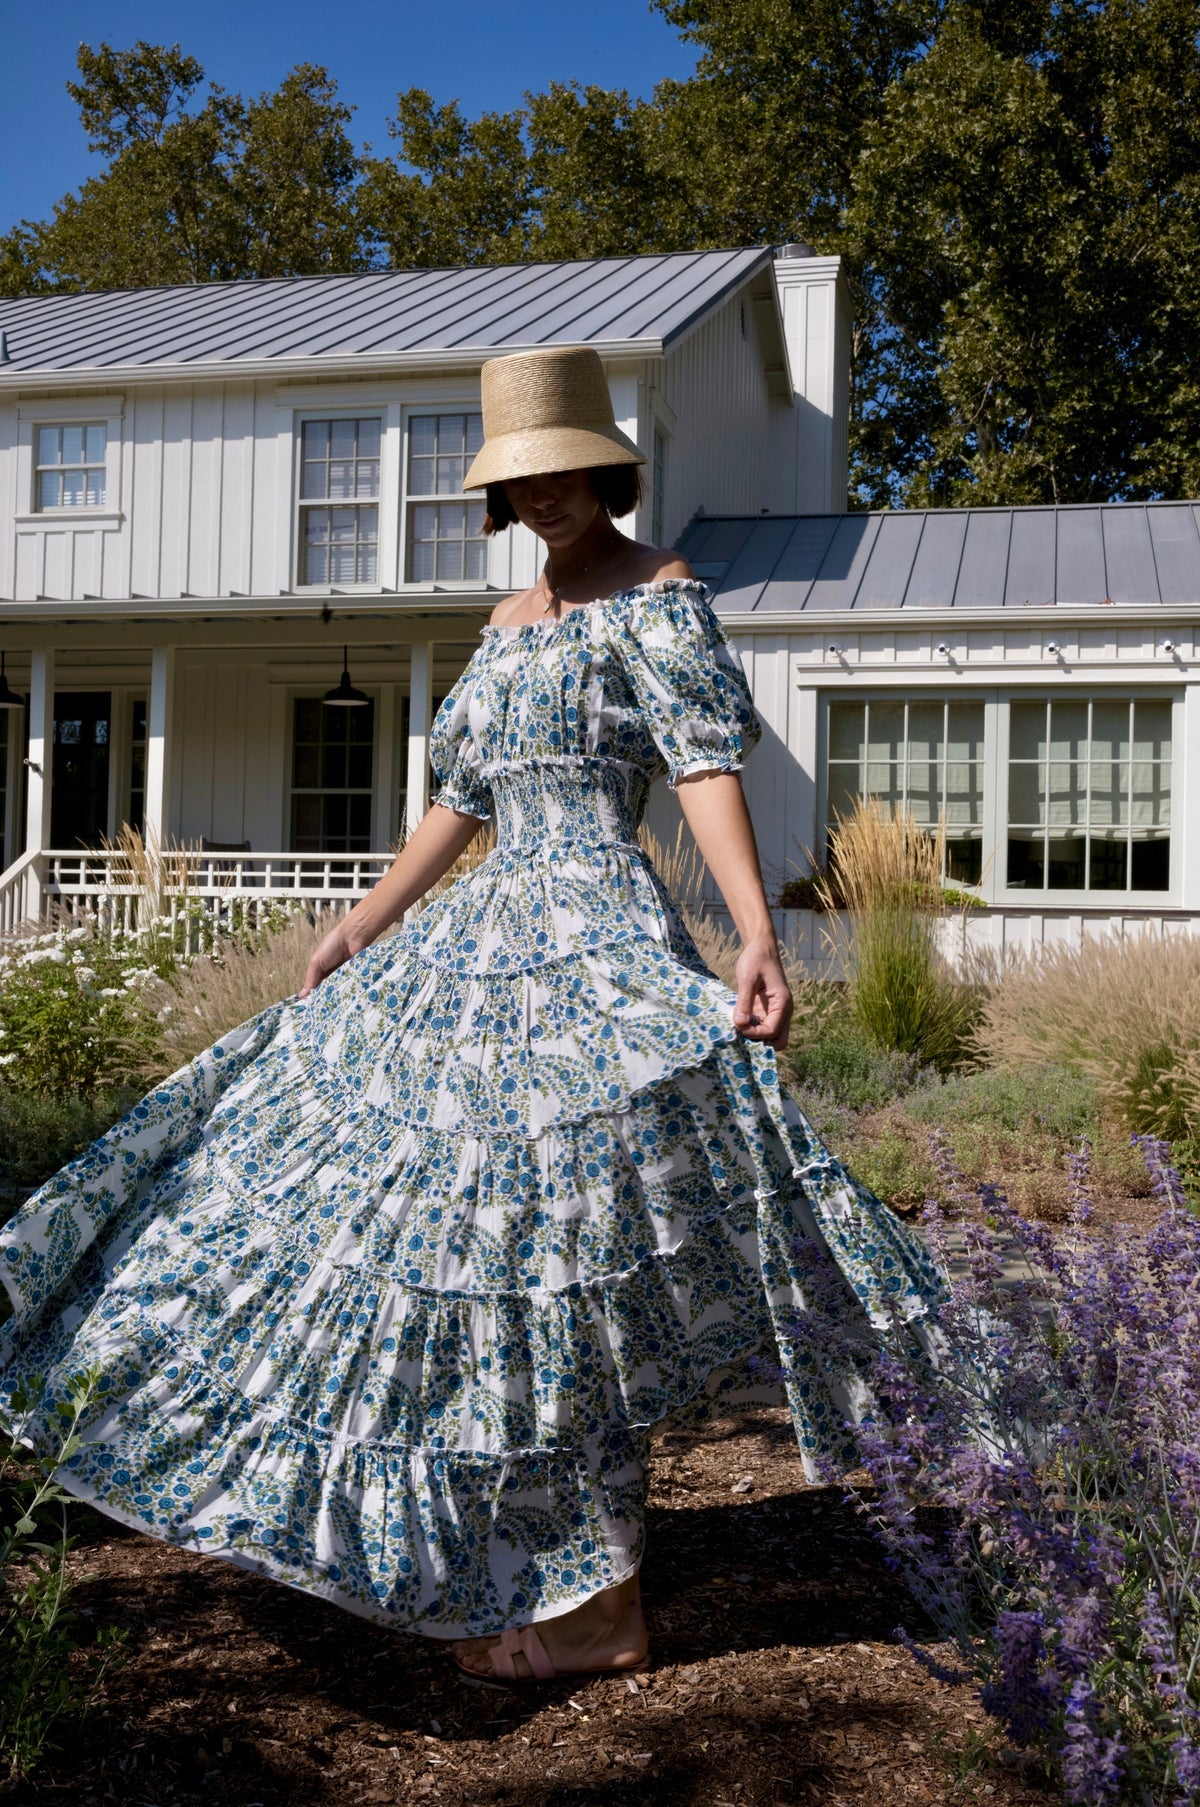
(387, 1289)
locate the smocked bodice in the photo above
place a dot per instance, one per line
(558, 728)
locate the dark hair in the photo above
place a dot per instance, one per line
(617, 487)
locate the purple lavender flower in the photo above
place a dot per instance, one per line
(1093, 1770)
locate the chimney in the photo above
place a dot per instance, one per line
(813, 442)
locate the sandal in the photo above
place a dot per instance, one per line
(528, 1644)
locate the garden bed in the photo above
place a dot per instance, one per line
(775, 1678)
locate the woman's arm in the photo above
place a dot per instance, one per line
(426, 856)
(715, 810)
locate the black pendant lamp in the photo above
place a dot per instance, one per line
(344, 695)
(8, 696)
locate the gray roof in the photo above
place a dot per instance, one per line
(951, 558)
(643, 301)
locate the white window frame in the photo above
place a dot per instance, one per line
(362, 410)
(97, 410)
(306, 693)
(428, 586)
(994, 887)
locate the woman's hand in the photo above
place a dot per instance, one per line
(763, 1011)
(332, 951)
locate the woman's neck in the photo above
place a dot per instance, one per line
(596, 546)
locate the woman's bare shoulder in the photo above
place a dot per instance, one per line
(658, 564)
(515, 607)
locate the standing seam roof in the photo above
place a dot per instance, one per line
(655, 298)
(960, 558)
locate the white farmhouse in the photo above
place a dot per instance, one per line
(209, 492)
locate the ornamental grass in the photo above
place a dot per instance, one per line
(1125, 1012)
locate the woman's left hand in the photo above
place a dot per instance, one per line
(763, 1011)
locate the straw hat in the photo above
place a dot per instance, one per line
(547, 411)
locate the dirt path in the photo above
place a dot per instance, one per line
(775, 1677)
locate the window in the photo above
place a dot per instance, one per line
(926, 756)
(70, 467)
(339, 501)
(659, 480)
(444, 536)
(1089, 794)
(332, 758)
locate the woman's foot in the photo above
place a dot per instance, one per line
(606, 1632)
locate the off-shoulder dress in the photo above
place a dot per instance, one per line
(388, 1288)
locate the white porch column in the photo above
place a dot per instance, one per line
(158, 737)
(420, 715)
(40, 759)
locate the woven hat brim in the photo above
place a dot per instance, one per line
(543, 449)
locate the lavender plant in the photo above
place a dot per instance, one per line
(1053, 1412)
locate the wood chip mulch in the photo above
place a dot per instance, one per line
(775, 1677)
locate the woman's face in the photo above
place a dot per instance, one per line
(559, 506)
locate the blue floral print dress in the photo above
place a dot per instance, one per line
(387, 1289)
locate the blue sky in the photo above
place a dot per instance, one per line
(484, 52)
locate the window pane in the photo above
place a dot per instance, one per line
(422, 435)
(333, 766)
(341, 479)
(307, 718)
(369, 432)
(1150, 795)
(476, 560)
(420, 477)
(926, 725)
(358, 762)
(1027, 731)
(1110, 728)
(306, 767)
(963, 799)
(1110, 785)
(95, 489)
(421, 560)
(964, 737)
(1066, 863)
(72, 445)
(1026, 794)
(1068, 794)
(964, 861)
(1109, 864)
(343, 435)
(312, 481)
(845, 785)
(1150, 865)
(924, 793)
(883, 781)
(885, 731)
(1026, 862)
(474, 434)
(95, 442)
(71, 493)
(1068, 730)
(1152, 730)
(49, 443)
(49, 489)
(450, 561)
(314, 438)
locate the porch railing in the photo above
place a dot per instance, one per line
(102, 885)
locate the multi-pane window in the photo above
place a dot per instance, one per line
(332, 760)
(1089, 794)
(70, 470)
(339, 501)
(659, 478)
(445, 542)
(926, 757)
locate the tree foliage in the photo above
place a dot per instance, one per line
(1014, 185)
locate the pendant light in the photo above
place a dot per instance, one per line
(8, 696)
(344, 695)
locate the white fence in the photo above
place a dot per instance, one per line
(214, 889)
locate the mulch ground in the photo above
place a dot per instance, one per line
(775, 1677)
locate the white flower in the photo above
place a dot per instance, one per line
(111, 991)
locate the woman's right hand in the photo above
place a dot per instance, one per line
(332, 951)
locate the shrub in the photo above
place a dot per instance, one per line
(901, 990)
(51, 1665)
(38, 1134)
(72, 1018)
(1128, 1013)
(1059, 1434)
(834, 1055)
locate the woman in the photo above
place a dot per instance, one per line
(387, 1290)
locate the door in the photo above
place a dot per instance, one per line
(79, 798)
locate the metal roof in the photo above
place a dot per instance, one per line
(637, 302)
(950, 558)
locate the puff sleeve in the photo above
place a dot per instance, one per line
(687, 680)
(455, 758)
